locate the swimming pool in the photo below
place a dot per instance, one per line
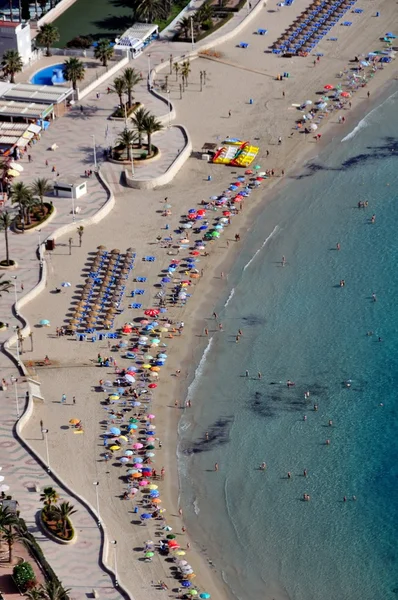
(51, 75)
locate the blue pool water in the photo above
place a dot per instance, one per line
(299, 324)
(51, 75)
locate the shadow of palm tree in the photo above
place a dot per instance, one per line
(115, 24)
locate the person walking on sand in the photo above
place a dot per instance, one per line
(229, 114)
(220, 327)
(215, 315)
(206, 332)
(279, 140)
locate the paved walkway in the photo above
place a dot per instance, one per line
(78, 566)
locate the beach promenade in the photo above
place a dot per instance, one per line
(135, 221)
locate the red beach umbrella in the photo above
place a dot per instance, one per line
(153, 385)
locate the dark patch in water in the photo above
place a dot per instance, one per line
(270, 404)
(218, 434)
(387, 150)
(253, 320)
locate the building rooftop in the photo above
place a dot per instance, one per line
(135, 35)
(25, 110)
(12, 24)
(47, 94)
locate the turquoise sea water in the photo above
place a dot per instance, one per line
(299, 324)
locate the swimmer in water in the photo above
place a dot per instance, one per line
(305, 418)
(338, 246)
(373, 219)
(283, 261)
(374, 298)
(342, 282)
(330, 423)
(263, 466)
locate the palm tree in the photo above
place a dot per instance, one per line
(152, 125)
(10, 537)
(47, 35)
(185, 71)
(80, 231)
(21, 195)
(52, 590)
(73, 70)
(126, 139)
(5, 223)
(33, 594)
(7, 519)
(138, 119)
(40, 187)
(149, 10)
(204, 13)
(12, 63)
(176, 68)
(30, 203)
(130, 77)
(49, 496)
(119, 88)
(185, 26)
(65, 511)
(103, 52)
(4, 287)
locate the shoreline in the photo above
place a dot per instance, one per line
(219, 260)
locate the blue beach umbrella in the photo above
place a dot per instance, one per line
(162, 355)
(146, 516)
(166, 279)
(115, 430)
(150, 433)
(203, 227)
(205, 596)
(186, 583)
(154, 494)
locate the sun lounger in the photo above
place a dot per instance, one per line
(243, 45)
(262, 31)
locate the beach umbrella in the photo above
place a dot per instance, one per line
(44, 322)
(143, 483)
(129, 452)
(190, 576)
(150, 454)
(193, 592)
(136, 475)
(171, 536)
(136, 404)
(153, 486)
(114, 447)
(66, 284)
(153, 385)
(156, 494)
(138, 459)
(149, 554)
(329, 86)
(150, 447)
(146, 516)
(181, 563)
(186, 583)
(180, 553)
(150, 416)
(74, 421)
(124, 459)
(114, 397)
(173, 543)
(132, 426)
(115, 430)
(205, 596)
(138, 446)
(156, 501)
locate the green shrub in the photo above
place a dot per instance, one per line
(208, 24)
(80, 41)
(23, 575)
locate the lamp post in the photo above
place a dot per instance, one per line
(168, 100)
(39, 232)
(149, 71)
(192, 38)
(14, 277)
(16, 328)
(95, 152)
(73, 208)
(45, 432)
(114, 542)
(16, 396)
(96, 484)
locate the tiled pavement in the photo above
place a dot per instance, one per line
(78, 566)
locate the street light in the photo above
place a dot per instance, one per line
(192, 38)
(96, 483)
(95, 152)
(168, 100)
(39, 232)
(16, 328)
(14, 277)
(16, 396)
(149, 70)
(114, 542)
(45, 432)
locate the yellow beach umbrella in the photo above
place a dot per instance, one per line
(146, 366)
(114, 448)
(153, 486)
(114, 397)
(180, 553)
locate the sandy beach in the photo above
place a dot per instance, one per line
(135, 222)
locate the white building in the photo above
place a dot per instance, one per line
(136, 38)
(16, 36)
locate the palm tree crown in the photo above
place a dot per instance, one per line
(12, 63)
(130, 77)
(5, 224)
(52, 590)
(126, 139)
(119, 88)
(47, 35)
(138, 120)
(149, 10)
(103, 51)
(49, 496)
(151, 126)
(4, 287)
(73, 70)
(40, 187)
